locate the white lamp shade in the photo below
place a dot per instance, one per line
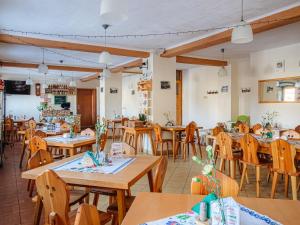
(105, 58)
(222, 72)
(29, 81)
(242, 34)
(113, 12)
(297, 84)
(43, 68)
(73, 83)
(106, 73)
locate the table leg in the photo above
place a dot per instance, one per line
(38, 211)
(23, 152)
(121, 205)
(113, 131)
(151, 142)
(72, 151)
(294, 187)
(174, 144)
(150, 179)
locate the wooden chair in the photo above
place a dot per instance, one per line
(257, 128)
(55, 195)
(29, 133)
(297, 129)
(250, 145)
(31, 124)
(283, 155)
(129, 139)
(157, 187)
(158, 140)
(41, 158)
(226, 153)
(103, 140)
(244, 128)
(40, 134)
(189, 139)
(291, 134)
(229, 187)
(36, 143)
(10, 135)
(87, 215)
(217, 130)
(88, 132)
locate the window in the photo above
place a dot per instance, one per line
(289, 94)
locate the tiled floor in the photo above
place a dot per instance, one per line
(16, 207)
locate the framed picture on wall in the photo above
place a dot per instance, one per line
(165, 85)
(113, 90)
(58, 100)
(279, 66)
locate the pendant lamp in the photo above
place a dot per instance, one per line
(105, 57)
(106, 73)
(43, 68)
(222, 71)
(113, 12)
(242, 33)
(29, 80)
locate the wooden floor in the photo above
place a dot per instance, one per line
(16, 207)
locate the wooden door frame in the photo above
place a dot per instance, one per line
(94, 103)
(179, 107)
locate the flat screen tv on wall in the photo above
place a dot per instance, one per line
(15, 87)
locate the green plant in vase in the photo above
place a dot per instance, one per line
(100, 128)
(142, 117)
(70, 120)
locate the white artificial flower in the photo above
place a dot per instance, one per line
(207, 169)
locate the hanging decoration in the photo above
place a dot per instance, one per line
(243, 32)
(42, 67)
(105, 57)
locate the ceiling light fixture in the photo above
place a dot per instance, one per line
(106, 73)
(43, 68)
(60, 79)
(45, 85)
(73, 83)
(29, 81)
(222, 71)
(242, 33)
(105, 57)
(113, 12)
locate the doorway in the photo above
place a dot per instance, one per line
(179, 97)
(87, 107)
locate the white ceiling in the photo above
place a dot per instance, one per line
(155, 16)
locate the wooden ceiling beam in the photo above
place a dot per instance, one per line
(124, 66)
(200, 61)
(264, 24)
(50, 67)
(89, 78)
(73, 46)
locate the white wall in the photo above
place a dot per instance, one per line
(260, 66)
(130, 102)
(163, 100)
(206, 110)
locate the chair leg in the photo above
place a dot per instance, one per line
(200, 150)
(232, 168)
(22, 155)
(286, 185)
(274, 184)
(31, 188)
(161, 148)
(294, 187)
(221, 165)
(115, 219)
(194, 149)
(243, 175)
(257, 168)
(184, 152)
(96, 199)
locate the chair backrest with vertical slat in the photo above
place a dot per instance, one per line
(36, 143)
(217, 130)
(29, 133)
(256, 127)
(124, 121)
(31, 124)
(244, 128)
(40, 134)
(229, 186)
(9, 124)
(87, 215)
(283, 155)
(249, 145)
(157, 132)
(291, 134)
(55, 197)
(39, 158)
(190, 132)
(225, 145)
(88, 132)
(160, 173)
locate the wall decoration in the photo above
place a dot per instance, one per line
(113, 90)
(165, 85)
(38, 89)
(280, 66)
(101, 89)
(245, 90)
(58, 100)
(214, 92)
(132, 92)
(224, 89)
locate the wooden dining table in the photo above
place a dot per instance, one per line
(121, 181)
(70, 144)
(153, 206)
(174, 131)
